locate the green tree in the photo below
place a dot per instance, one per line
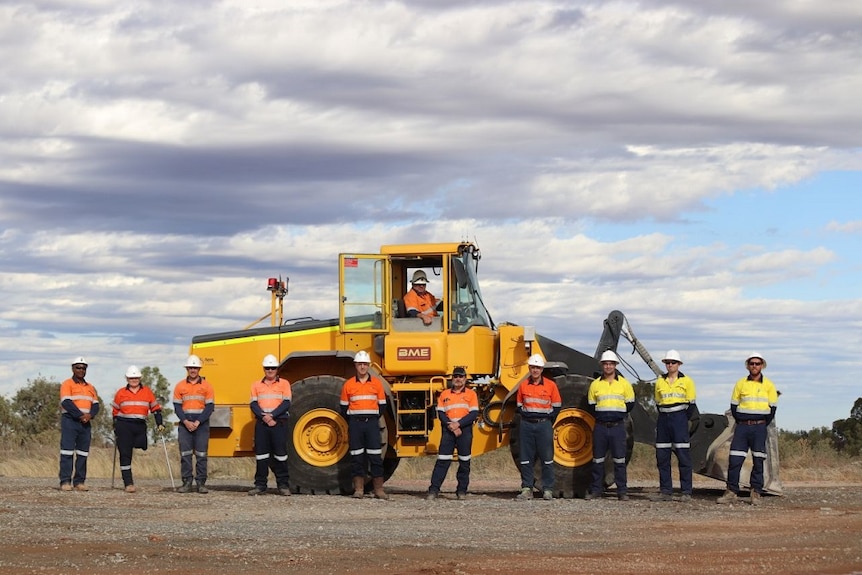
(847, 433)
(151, 377)
(37, 408)
(8, 419)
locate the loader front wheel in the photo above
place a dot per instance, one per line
(317, 442)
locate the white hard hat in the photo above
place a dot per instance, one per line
(536, 360)
(610, 356)
(79, 360)
(672, 355)
(752, 355)
(133, 371)
(193, 361)
(419, 277)
(362, 357)
(270, 361)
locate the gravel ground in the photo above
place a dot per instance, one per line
(811, 529)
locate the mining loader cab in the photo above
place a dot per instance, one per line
(414, 357)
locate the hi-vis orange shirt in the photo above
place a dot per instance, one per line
(81, 393)
(193, 397)
(363, 399)
(135, 405)
(537, 401)
(455, 406)
(270, 396)
(425, 304)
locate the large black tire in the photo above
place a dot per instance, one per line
(318, 458)
(317, 446)
(573, 441)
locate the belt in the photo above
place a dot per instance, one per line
(609, 423)
(539, 420)
(364, 418)
(750, 421)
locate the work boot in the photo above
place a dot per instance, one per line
(202, 488)
(377, 482)
(130, 489)
(524, 494)
(661, 497)
(461, 495)
(358, 487)
(432, 495)
(754, 498)
(623, 496)
(685, 498)
(547, 495)
(66, 487)
(728, 497)
(284, 491)
(257, 490)
(591, 495)
(186, 487)
(81, 487)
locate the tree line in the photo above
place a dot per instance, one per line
(32, 414)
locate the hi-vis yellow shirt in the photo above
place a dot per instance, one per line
(754, 397)
(611, 397)
(676, 396)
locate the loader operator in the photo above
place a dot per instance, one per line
(753, 404)
(362, 403)
(539, 402)
(457, 408)
(194, 402)
(131, 407)
(79, 404)
(675, 400)
(610, 398)
(270, 401)
(418, 302)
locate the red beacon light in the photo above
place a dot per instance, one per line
(272, 284)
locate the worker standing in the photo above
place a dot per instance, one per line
(675, 399)
(270, 402)
(753, 404)
(539, 402)
(457, 409)
(131, 406)
(362, 403)
(610, 397)
(79, 404)
(194, 402)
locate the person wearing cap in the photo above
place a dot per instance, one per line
(610, 399)
(418, 301)
(457, 409)
(675, 401)
(753, 404)
(539, 402)
(79, 404)
(362, 403)
(131, 406)
(194, 402)
(270, 402)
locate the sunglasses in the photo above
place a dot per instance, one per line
(670, 362)
(459, 376)
(269, 368)
(755, 363)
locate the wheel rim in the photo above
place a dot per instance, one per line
(320, 437)
(573, 438)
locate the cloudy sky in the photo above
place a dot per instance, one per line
(694, 164)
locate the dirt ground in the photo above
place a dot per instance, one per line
(811, 529)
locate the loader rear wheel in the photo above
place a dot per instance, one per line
(573, 440)
(318, 459)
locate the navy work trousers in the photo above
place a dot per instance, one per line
(537, 440)
(194, 443)
(671, 435)
(611, 438)
(747, 437)
(365, 447)
(448, 443)
(74, 450)
(270, 451)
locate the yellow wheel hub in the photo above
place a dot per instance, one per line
(573, 438)
(320, 437)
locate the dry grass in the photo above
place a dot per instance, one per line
(800, 462)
